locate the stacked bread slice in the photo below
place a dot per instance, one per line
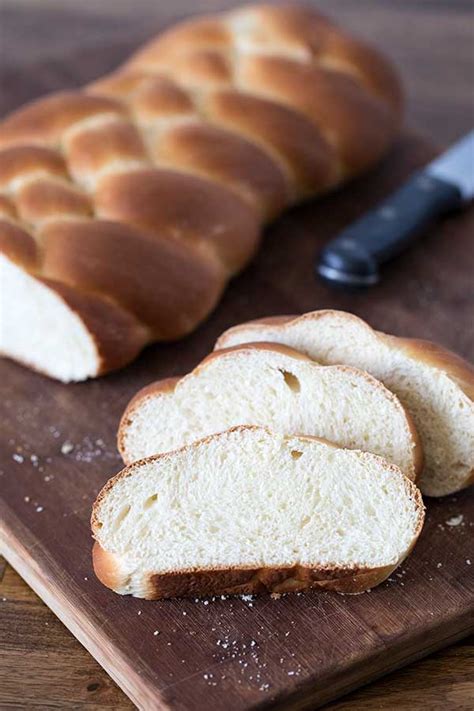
(276, 387)
(435, 385)
(247, 511)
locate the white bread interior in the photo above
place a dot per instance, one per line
(38, 328)
(435, 385)
(276, 387)
(294, 511)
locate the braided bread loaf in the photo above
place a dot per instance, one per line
(126, 206)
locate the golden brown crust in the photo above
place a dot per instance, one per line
(141, 278)
(168, 385)
(107, 568)
(238, 581)
(18, 245)
(198, 139)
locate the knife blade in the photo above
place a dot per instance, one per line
(353, 258)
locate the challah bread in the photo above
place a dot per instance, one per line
(435, 385)
(247, 511)
(276, 387)
(126, 206)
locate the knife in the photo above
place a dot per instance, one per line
(353, 258)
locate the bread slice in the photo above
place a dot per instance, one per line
(248, 511)
(436, 385)
(277, 387)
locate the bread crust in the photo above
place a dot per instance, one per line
(434, 355)
(169, 384)
(240, 580)
(236, 581)
(151, 186)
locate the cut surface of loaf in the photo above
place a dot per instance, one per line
(276, 387)
(247, 511)
(131, 202)
(435, 385)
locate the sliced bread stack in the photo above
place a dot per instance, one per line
(274, 469)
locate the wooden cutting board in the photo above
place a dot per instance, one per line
(57, 448)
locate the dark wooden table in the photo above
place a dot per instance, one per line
(41, 664)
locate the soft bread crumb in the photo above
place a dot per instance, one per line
(39, 328)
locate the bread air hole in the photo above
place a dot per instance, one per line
(150, 501)
(296, 454)
(122, 516)
(291, 381)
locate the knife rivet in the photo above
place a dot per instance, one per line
(387, 213)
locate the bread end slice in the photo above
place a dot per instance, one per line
(60, 331)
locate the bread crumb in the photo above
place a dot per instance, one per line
(275, 596)
(455, 520)
(139, 612)
(27, 499)
(39, 509)
(18, 458)
(67, 447)
(439, 565)
(468, 561)
(156, 632)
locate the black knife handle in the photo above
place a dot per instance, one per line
(353, 258)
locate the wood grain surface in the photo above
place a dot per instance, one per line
(428, 293)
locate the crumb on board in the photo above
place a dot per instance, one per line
(455, 520)
(67, 447)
